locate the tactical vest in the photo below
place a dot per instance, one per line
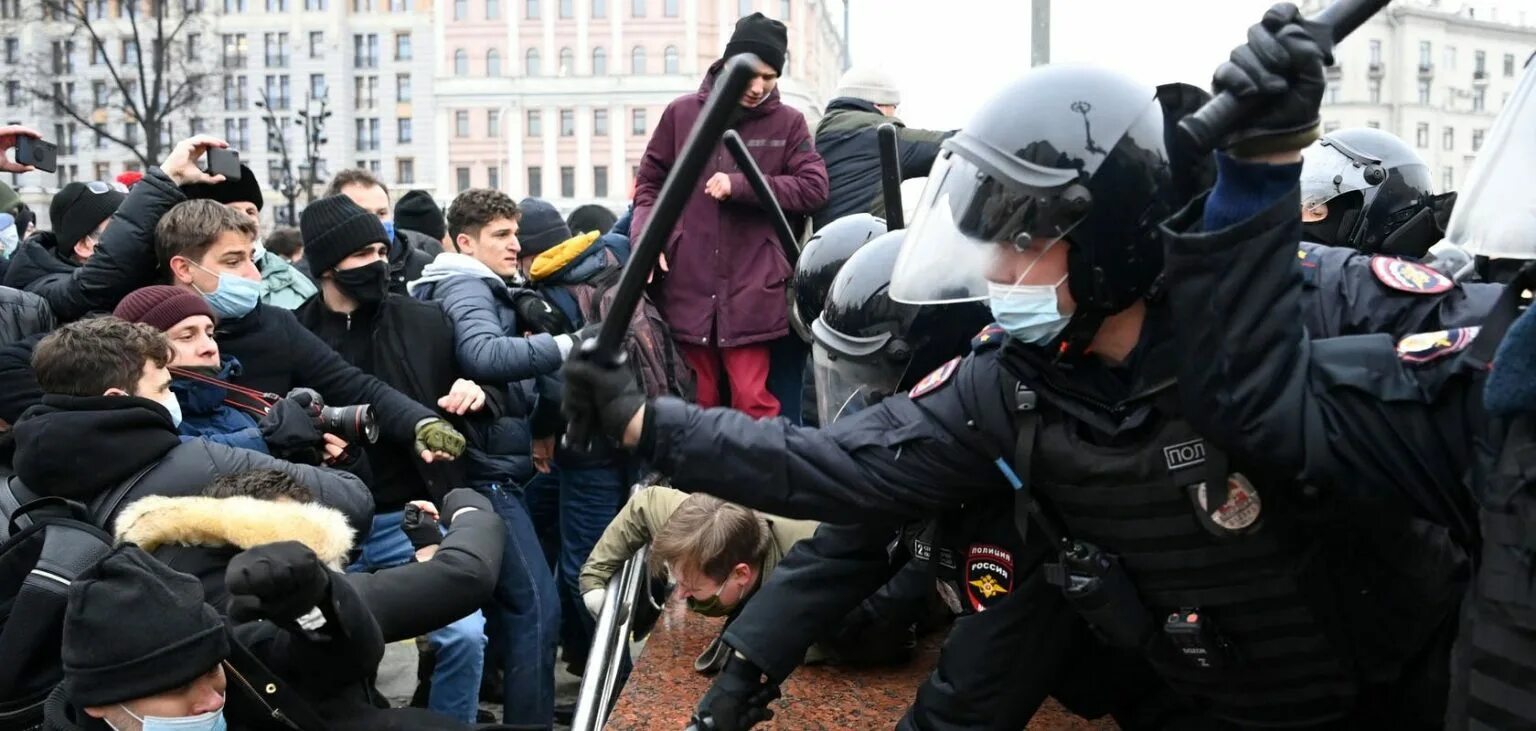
(1501, 642)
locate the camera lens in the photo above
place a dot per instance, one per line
(355, 424)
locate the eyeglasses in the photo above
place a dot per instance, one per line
(98, 187)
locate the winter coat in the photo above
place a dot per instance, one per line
(847, 138)
(199, 536)
(124, 259)
(80, 447)
(727, 268)
(407, 258)
(281, 284)
(492, 349)
(18, 384)
(408, 345)
(22, 315)
(643, 517)
(205, 415)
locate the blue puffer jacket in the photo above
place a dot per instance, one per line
(578, 266)
(491, 349)
(205, 415)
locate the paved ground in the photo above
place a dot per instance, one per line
(397, 678)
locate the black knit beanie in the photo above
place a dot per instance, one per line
(335, 227)
(135, 628)
(540, 228)
(78, 208)
(760, 35)
(416, 211)
(245, 190)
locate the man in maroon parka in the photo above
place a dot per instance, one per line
(723, 294)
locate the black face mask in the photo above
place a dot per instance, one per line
(367, 284)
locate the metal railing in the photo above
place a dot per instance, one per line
(600, 684)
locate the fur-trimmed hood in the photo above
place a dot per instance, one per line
(241, 522)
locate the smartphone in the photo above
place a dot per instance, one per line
(37, 153)
(224, 162)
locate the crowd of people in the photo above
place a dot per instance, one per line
(239, 461)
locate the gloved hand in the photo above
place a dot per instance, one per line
(738, 699)
(1280, 68)
(464, 498)
(594, 600)
(572, 341)
(420, 527)
(436, 438)
(600, 396)
(289, 430)
(279, 581)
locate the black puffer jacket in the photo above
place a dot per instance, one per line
(123, 262)
(407, 257)
(79, 447)
(22, 315)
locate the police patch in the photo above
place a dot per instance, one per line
(1432, 346)
(1241, 511)
(989, 336)
(988, 575)
(935, 379)
(1184, 454)
(1407, 276)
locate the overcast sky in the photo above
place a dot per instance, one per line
(950, 55)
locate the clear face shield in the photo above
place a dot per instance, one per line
(973, 227)
(1330, 169)
(1495, 214)
(845, 386)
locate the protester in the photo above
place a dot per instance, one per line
(723, 291)
(281, 284)
(15, 219)
(848, 139)
(80, 213)
(591, 217)
(408, 254)
(418, 213)
(287, 243)
(22, 315)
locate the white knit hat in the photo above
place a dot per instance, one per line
(870, 84)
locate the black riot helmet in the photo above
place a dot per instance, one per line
(1378, 190)
(869, 346)
(820, 261)
(1070, 153)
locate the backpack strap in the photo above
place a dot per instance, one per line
(281, 702)
(105, 505)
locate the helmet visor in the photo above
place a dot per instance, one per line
(1495, 214)
(1329, 170)
(952, 247)
(846, 386)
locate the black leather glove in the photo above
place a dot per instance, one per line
(420, 527)
(289, 430)
(1280, 69)
(737, 700)
(277, 581)
(460, 499)
(599, 396)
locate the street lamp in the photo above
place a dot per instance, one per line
(314, 140)
(287, 186)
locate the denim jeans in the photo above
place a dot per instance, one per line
(786, 366)
(525, 617)
(460, 647)
(571, 507)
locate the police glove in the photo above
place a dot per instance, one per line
(282, 582)
(436, 435)
(604, 396)
(1280, 71)
(420, 527)
(737, 700)
(462, 499)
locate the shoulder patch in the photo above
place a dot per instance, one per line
(937, 378)
(1432, 346)
(990, 336)
(1407, 276)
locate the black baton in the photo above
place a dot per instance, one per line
(1221, 114)
(890, 177)
(765, 196)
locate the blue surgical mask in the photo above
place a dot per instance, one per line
(1028, 312)
(9, 239)
(210, 721)
(173, 406)
(389, 230)
(235, 296)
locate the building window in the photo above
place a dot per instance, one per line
(316, 43)
(531, 66)
(461, 62)
(234, 93)
(1375, 53)
(362, 6)
(405, 171)
(493, 9)
(279, 94)
(567, 62)
(461, 123)
(637, 8)
(103, 171)
(403, 130)
(1450, 58)
(669, 60)
(533, 9)
(1448, 138)
(365, 50)
(669, 8)
(1373, 124)
(567, 123)
(1424, 91)
(535, 123)
(314, 4)
(1333, 93)
(1424, 55)
(1479, 98)
(637, 60)
(234, 50)
(600, 122)
(1421, 135)
(637, 122)
(493, 122)
(12, 50)
(276, 48)
(194, 49)
(365, 92)
(99, 96)
(1479, 64)
(599, 8)
(402, 88)
(1509, 65)
(1477, 139)
(599, 61)
(460, 9)
(567, 182)
(367, 134)
(461, 176)
(743, 8)
(317, 86)
(567, 8)
(493, 63)
(493, 177)
(536, 182)
(402, 46)
(1448, 178)
(600, 181)
(1375, 91)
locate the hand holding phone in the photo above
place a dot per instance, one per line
(223, 161)
(31, 152)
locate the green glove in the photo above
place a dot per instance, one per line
(436, 435)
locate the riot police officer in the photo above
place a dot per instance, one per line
(824, 254)
(1047, 206)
